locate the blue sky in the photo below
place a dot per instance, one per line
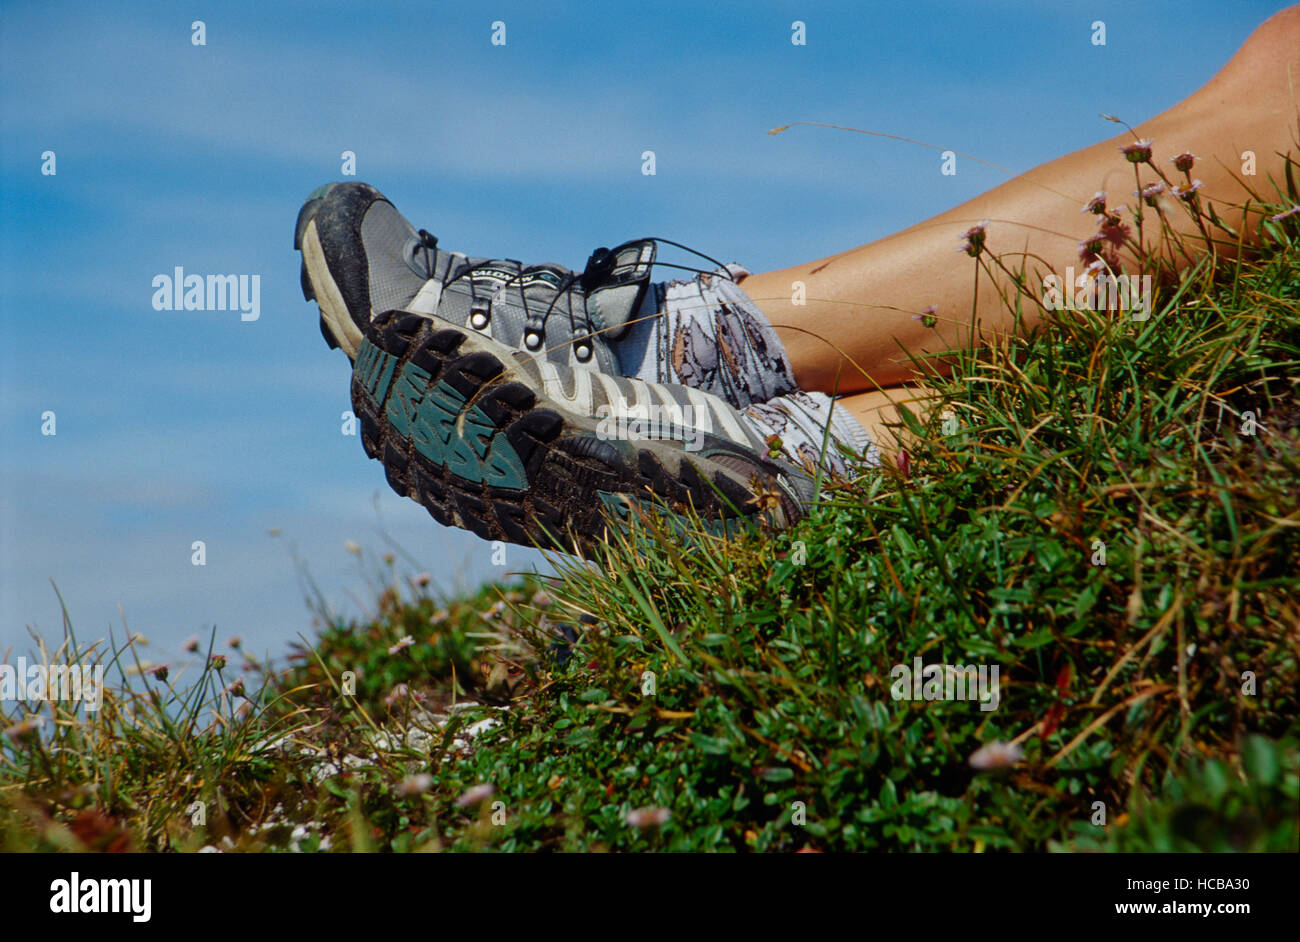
(181, 426)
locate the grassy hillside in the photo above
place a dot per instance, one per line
(1105, 510)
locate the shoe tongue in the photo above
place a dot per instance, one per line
(548, 273)
(491, 274)
(615, 281)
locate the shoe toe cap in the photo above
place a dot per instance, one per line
(343, 204)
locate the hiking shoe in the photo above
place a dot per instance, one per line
(360, 257)
(526, 450)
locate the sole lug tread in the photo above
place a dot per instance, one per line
(445, 342)
(484, 455)
(475, 515)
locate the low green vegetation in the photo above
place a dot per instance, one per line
(1104, 509)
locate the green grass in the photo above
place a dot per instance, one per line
(739, 693)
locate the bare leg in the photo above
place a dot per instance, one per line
(865, 299)
(879, 412)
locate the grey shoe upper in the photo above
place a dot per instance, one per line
(380, 262)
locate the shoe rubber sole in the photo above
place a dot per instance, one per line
(317, 281)
(482, 451)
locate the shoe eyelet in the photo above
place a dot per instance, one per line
(582, 351)
(532, 339)
(478, 319)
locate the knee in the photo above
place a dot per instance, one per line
(1263, 61)
(1277, 37)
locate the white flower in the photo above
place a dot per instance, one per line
(415, 784)
(995, 755)
(642, 818)
(475, 795)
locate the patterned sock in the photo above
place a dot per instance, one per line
(799, 420)
(708, 334)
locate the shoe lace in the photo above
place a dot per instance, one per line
(719, 268)
(600, 265)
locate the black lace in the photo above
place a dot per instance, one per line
(699, 271)
(600, 265)
(429, 242)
